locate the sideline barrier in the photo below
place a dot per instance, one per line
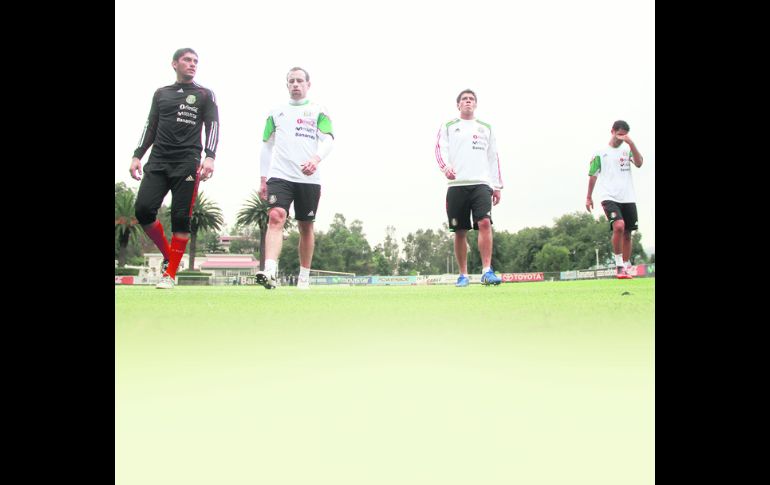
(638, 271)
(148, 277)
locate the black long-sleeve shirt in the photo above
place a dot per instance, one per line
(177, 115)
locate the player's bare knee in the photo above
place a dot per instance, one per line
(305, 226)
(484, 224)
(619, 226)
(277, 218)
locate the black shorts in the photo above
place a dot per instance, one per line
(181, 178)
(621, 211)
(464, 200)
(281, 193)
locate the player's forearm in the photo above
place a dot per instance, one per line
(638, 160)
(212, 138)
(591, 184)
(325, 145)
(147, 138)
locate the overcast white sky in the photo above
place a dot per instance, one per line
(550, 76)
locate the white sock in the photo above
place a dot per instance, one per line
(486, 269)
(619, 259)
(271, 266)
(304, 272)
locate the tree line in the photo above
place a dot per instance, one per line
(571, 243)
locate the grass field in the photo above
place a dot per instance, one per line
(525, 383)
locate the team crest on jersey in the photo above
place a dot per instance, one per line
(272, 199)
(190, 99)
(307, 113)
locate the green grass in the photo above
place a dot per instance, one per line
(525, 383)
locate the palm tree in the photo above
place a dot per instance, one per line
(206, 216)
(126, 225)
(255, 212)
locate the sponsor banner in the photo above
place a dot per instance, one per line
(519, 277)
(637, 270)
(137, 280)
(433, 279)
(568, 275)
(444, 279)
(448, 279)
(607, 272)
(340, 280)
(394, 280)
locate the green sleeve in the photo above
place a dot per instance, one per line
(324, 124)
(596, 166)
(269, 128)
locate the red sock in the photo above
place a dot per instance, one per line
(155, 231)
(177, 251)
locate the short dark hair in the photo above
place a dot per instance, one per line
(184, 50)
(466, 91)
(307, 76)
(620, 125)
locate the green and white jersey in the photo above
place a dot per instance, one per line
(469, 147)
(294, 133)
(612, 166)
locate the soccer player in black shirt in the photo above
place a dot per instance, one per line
(178, 113)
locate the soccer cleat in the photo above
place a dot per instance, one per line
(622, 275)
(164, 266)
(266, 280)
(462, 281)
(303, 283)
(490, 278)
(166, 282)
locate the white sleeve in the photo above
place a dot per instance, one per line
(325, 144)
(494, 162)
(442, 148)
(266, 156)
